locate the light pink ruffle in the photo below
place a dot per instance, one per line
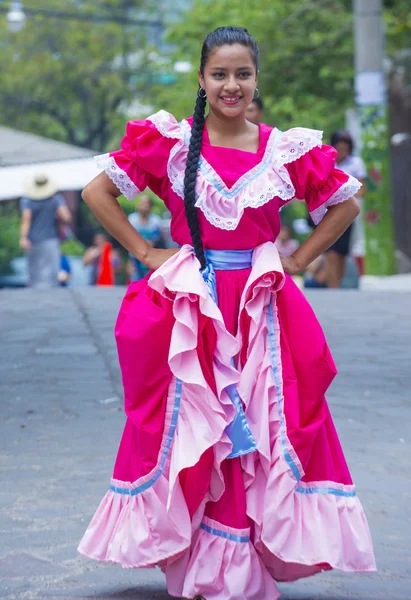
(253, 189)
(124, 524)
(295, 534)
(312, 530)
(346, 191)
(125, 528)
(219, 568)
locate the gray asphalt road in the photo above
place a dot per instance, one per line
(61, 420)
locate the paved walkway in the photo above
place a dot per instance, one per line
(61, 419)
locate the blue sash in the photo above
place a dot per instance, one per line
(230, 260)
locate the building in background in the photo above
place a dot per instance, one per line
(23, 154)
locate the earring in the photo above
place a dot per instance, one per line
(258, 93)
(201, 93)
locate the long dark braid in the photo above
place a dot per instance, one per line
(190, 177)
(219, 37)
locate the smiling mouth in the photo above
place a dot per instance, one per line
(230, 99)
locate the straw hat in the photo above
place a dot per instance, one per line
(39, 187)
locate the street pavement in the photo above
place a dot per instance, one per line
(61, 421)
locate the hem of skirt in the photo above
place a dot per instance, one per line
(150, 565)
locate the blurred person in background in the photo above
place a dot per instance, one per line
(285, 242)
(149, 226)
(43, 210)
(255, 111)
(336, 255)
(103, 259)
(64, 275)
(315, 275)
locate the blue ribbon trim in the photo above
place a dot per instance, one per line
(229, 260)
(209, 172)
(242, 539)
(326, 490)
(283, 438)
(166, 449)
(278, 390)
(238, 431)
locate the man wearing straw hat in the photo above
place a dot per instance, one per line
(42, 210)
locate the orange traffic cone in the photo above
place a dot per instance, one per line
(105, 271)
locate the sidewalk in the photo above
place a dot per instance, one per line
(391, 283)
(62, 419)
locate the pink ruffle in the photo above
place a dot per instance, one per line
(125, 528)
(297, 528)
(219, 568)
(223, 207)
(346, 191)
(121, 516)
(316, 179)
(295, 538)
(180, 279)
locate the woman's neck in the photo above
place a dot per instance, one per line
(229, 128)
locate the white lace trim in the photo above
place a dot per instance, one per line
(166, 124)
(223, 207)
(294, 143)
(177, 160)
(346, 191)
(119, 177)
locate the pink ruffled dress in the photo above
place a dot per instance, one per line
(221, 518)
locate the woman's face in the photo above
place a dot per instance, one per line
(229, 79)
(144, 205)
(343, 150)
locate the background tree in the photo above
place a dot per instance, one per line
(307, 66)
(67, 78)
(306, 50)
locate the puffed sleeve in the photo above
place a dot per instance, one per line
(317, 181)
(142, 160)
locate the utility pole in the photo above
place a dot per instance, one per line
(371, 100)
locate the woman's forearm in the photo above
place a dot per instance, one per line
(110, 214)
(25, 223)
(337, 219)
(361, 192)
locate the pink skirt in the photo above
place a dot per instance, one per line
(227, 528)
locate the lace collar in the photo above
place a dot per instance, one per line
(223, 207)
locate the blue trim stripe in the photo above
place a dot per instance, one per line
(208, 171)
(166, 449)
(230, 260)
(242, 539)
(278, 388)
(333, 491)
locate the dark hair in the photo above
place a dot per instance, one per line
(219, 37)
(258, 102)
(342, 135)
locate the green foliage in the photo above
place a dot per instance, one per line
(67, 78)
(9, 235)
(72, 78)
(130, 207)
(307, 61)
(72, 247)
(306, 70)
(397, 16)
(378, 208)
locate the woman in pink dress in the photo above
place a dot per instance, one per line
(229, 475)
